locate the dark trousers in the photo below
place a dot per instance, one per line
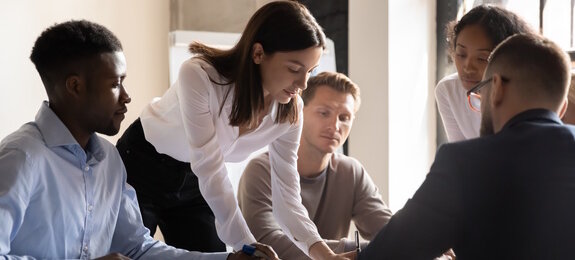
(168, 194)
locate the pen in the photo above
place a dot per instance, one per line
(253, 251)
(357, 249)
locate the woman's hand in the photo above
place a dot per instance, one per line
(265, 249)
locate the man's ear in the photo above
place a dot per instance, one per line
(257, 53)
(74, 85)
(498, 91)
(563, 108)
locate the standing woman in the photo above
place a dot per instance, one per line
(225, 105)
(471, 41)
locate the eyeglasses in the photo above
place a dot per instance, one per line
(473, 96)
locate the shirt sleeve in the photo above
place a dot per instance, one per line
(207, 160)
(370, 213)
(15, 192)
(255, 200)
(132, 239)
(452, 129)
(287, 206)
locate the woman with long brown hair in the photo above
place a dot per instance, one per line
(225, 105)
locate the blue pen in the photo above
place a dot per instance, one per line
(253, 251)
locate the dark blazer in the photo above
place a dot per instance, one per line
(506, 196)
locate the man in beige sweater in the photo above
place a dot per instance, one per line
(335, 188)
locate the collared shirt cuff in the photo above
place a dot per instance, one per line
(246, 241)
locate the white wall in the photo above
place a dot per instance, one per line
(141, 25)
(368, 67)
(392, 58)
(197, 15)
(412, 121)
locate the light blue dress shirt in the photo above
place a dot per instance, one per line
(58, 201)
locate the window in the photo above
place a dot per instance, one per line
(554, 19)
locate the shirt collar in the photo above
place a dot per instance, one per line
(315, 179)
(537, 114)
(274, 110)
(55, 133)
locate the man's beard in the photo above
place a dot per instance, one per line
(486, 123)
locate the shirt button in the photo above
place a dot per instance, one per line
(90, 207)
(87, 168)
(85, 248)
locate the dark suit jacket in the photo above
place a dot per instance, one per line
(506, 196)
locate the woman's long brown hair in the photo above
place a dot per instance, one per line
(278, 26)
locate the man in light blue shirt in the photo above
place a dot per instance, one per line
(63, 191)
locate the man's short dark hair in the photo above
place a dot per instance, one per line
(63, 44)
(540, 63)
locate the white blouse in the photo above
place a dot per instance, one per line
(459, 120)
(186, 124)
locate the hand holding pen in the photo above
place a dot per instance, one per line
(357, 248)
